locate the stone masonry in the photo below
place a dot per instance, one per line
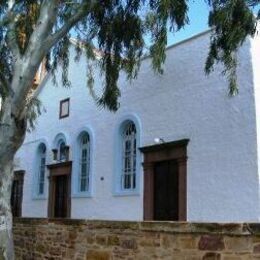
(107, 240)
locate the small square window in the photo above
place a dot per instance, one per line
(64, 108)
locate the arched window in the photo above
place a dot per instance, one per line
(41, 168)
(84, 162)
(61, 150)
(128, 178)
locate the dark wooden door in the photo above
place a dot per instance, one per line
(59, 190)
(61, 196)
(17, 195)
(166, 191)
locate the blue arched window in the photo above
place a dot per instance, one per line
(41, 169)
(60, 148)
(84, 174)
(83, 164)
(128, 156)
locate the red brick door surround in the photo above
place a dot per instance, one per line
(176, 150)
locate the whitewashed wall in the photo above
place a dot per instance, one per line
(255, 52)
(223, 181)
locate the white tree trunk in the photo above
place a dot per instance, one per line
(13, 111)
(12, 133)
(6, 237)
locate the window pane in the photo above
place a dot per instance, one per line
(41, 173)
(41, 188)
(129, 157)
(62, 151)
(64, 108)
(84, 163)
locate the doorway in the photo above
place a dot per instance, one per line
(17, 193)
(166, 191)
(165, 181)
(61, 196)
(59, 190)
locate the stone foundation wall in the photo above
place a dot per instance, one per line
(103, 240)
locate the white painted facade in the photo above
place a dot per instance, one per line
(183, 103)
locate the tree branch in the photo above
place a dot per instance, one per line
(11, 38)
(11, 13)
(80, 13)
(40, 43)
(34, 54)
(43, 26)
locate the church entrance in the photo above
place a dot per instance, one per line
(165, 187)
(60, 190)
(61, 196)
(166, 191)
(17, 194)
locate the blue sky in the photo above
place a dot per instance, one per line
(198, 15)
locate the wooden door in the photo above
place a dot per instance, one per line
(59, 190)
(169, 158)
(17, 195)
(166, 191)
(61, 196)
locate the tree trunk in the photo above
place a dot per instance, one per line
(12, 133)
(6, 236)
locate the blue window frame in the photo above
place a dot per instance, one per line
(127, 157)
(42, 165)
(40, 171)
(84, 163)
(128, 177)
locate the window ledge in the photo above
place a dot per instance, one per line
(82, 195)
(126, 193)
(40, 197)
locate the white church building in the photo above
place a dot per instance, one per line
(179, 147)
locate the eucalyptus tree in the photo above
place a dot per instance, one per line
(33, 30)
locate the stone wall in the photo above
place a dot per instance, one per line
(104, 240)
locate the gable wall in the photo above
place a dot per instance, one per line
(183, 103)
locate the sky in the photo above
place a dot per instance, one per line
(198, 15)
(198, 22)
